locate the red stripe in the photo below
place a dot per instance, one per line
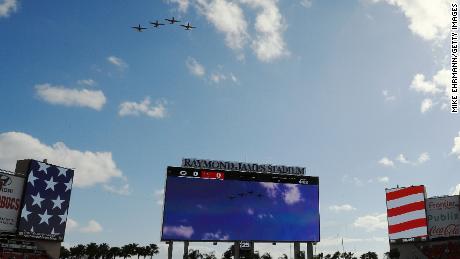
(416, 223)
(405, 192)
(420, 205)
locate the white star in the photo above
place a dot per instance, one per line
(68, 185)
(44, 217)
(62, 171)
(63, 217)
(32, 229)
(43, 167)
(37, 200)
(32, 178)
(57, 202)
(25, 213)
(50, 184)
(52, 232)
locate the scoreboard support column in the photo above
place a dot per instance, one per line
(170, 249)
(236, 253)
(309, 250)
(185, 249)
(296, 250)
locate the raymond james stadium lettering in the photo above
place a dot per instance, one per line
(244, 167)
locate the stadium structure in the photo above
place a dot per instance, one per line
(34, 203)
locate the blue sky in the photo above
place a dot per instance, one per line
(352, 90)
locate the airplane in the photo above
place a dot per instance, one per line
(231, 197)
(139, 28)
(250, 192)
(156, 24)
(241, 194)
(259, 195)
(188, 26)
(172, 21)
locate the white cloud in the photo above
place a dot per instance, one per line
(340, 208)
(268, 42)
(71, 97)
(194, 67)
(157, 111)
(423, 158)
(250, 211)
(92, 227)
(118, 62)
(387, 96)
(385, 161)
(306, 3)
(228, 18)
(234, 78)
(216, 236)
(372, 222)
(383, 179)
(426, 105)
(90, 167)
(182, 5)
(123, 190)
(419, 84)
(71, 225)
(438, 87)
(402, 159)
(354, 180)
(217, 77)
(182, 231)
(292, 194)
(456, 147)
(159, 196)
(427, 19)
(88, 82)
(7, 7)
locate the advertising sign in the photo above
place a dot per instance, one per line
(10, 200)
(407, 221)
(46, 202)
(443, 217)
(214, 205)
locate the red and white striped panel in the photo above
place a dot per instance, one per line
(406, 212)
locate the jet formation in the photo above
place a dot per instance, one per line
(157, 24)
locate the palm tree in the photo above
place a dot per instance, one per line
(78, 251)
(266, 256)
(103, 250)
(369, 255)
(65, 253)
(209, 256)
(153, 250)
(114, 252)
(125, 251)
(194, 254)
(92, 250)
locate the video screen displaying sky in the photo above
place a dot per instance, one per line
(203, 209)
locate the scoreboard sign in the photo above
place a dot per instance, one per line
(216, 205)
(10, 201)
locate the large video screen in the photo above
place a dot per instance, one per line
(208, 205)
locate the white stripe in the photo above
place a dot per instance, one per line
(405, 200)
(415, 232)
(418, 214)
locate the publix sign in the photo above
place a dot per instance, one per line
(443, 216)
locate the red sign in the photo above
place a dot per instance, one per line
(212, 175)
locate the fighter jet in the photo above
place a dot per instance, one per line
(172, 21)
(156, 24)
(188, 27)
(260, 195)
(250, 192)
(241, 194)
(139, 28)
(231, 197)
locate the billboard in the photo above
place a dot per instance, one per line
(443, 217)
(11, 188)
(213, 205)
(45, 202)
(406, 214)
